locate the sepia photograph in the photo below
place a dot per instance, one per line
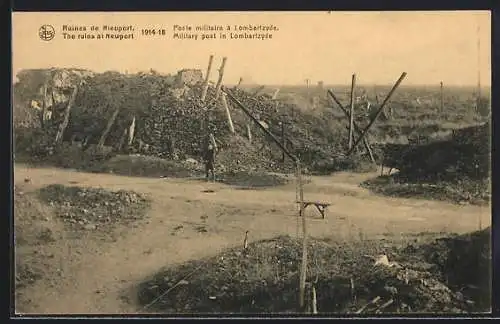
(324, 163)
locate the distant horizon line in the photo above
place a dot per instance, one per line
(328, 86)
(274, 85)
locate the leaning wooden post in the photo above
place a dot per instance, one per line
(372, 121)
(207, 76)
(249, 133)
(64, 124)
(228, 113)
(351, 112)
(131, 132)
(303, 267)
(110, 123)
(221, 76)
(356, 128)
(239, 82)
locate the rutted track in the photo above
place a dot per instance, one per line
(96, 277)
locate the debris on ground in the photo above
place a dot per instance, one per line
(264, 279)
(93, 208)
(34, 229)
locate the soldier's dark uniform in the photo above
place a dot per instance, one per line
(209, 161)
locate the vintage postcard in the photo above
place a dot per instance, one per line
(252, 162)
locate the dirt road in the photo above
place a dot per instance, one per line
(98, 277)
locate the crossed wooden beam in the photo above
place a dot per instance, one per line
(362, 133)
(356, 127)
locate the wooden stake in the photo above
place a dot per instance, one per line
(314, 301)
(245, 241)
(442, 98)
(44, 105)
(221, 76)
(207, 77)
(351, 113)
(385, 305)
(283, 139)
(373, 301)
(228, 113)
(353, 293)
(366, 143)
(64, 124)
(367, 128)
(239, 82)
(131, 132)
(303, 268)
(111, 121)
(275, 94)
(249, 133)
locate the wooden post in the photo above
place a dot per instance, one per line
(303, 267)
(283, 139)
(239, 82)
(366, 143)
(372, 121)
(131, 132)
(44, 105)
(111, 121)
(207, 76)
(442, 98)
(275, 94)
(258, 123)
(308, 92)
(314, 301)
(249, 133)
(64, 124)
(221, 76)
(228, 113)
(351, 112)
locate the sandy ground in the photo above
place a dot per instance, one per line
(96, 276)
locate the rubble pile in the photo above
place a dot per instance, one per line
(170, 120)
(93, 208)
(368, 276)
(466, 154)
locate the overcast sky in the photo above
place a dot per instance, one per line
(377, 46)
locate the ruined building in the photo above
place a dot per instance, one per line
(189, 77)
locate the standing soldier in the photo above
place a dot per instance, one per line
(209, 157)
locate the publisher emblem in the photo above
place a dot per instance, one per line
(46, 32)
